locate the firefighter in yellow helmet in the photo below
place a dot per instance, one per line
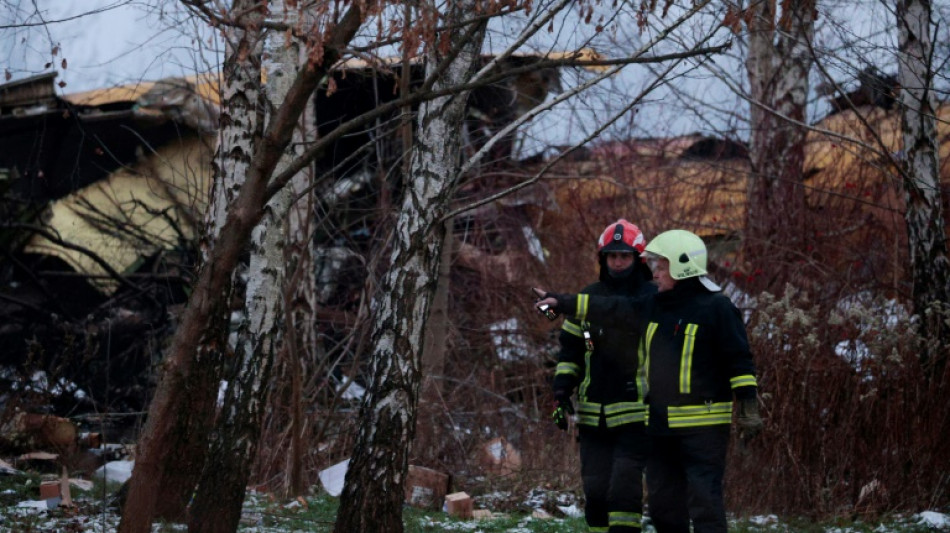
(699, 367)
(602, 365)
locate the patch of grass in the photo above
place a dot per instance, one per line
(888, 524)
(263, 513)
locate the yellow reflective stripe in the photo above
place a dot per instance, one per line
(689, 410)
(701, 420)
(744, 380)
(572, 328)
(597, 529)
(616, 414)
(582, 389)
(567, 368)
(624, 413)
(631, 418)
(588, 407)
(583, 300)
(644, 355)
(686, 358)
(619, 407)
(642, 362)
(699, 415)
(621, 518)
(589, 420)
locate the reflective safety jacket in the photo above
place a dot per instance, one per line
(603, 363)
(693, 345)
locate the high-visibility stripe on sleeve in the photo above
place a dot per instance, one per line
(572, 328)
(570, 369)
(745, 380)
(583, 300)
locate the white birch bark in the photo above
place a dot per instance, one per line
(373, 492)
(921, 165)
(162, 483)
(261, 334)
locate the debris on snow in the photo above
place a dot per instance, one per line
(332, 478)
(119, 471)
(459, 505)
(764, 520)
(571, 510)
(934, 520)
(541, 513)
(499, 457)
(425, 487)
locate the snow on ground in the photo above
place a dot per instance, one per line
(938, 521)
(117, 471)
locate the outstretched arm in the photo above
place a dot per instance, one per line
(611, 311)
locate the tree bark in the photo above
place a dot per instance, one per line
(220, 495)
(167, 472)
(778, 63)
(372, 496)
(157, 445)
(924, 216)
(433, 354)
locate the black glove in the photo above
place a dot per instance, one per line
(563, 408)
(748, 419)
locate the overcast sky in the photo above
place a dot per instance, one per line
(123, 41)
(114, 42)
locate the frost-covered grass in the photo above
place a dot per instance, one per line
(266, 514)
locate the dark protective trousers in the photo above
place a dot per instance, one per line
(684, 481)
(612, 463)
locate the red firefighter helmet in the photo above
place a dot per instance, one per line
(621, 236)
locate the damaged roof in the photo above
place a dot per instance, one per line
(669, 182)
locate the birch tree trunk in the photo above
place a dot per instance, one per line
(921, 166)
(163, 482)
(777, 65)
(437, 326)
(431, 402)
(372, 496)
(300, 290)
(220, 496)
(207, 303)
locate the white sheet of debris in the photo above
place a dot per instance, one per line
(332, 478)
(118, 471)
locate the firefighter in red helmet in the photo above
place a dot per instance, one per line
(603, 366)
(700, 373)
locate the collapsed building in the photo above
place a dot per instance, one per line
(104, 198)
(104, 195)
